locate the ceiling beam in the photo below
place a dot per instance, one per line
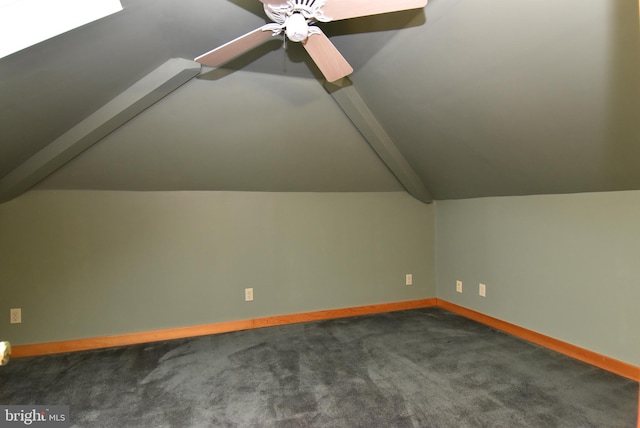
(143, 94)
(364, 120)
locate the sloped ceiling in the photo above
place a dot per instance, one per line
(482, 98)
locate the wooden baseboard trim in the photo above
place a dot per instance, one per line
(203, 330)
(601, 361)
(612, 365)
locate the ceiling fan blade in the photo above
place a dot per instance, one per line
(330, 62)
(234, 48)
(345, 9)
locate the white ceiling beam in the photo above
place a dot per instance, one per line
(143, 94)
(364, 120)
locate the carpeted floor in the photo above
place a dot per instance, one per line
(417, 368)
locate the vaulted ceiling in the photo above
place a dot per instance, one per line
(466, 98)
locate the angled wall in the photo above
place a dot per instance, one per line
(565, 266)
(95, 263)
(90, 263)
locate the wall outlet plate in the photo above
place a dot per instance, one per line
(408, 279)
(248, 294)
(482, 290)
(15, 316)
(459, 286)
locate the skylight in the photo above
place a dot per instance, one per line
(24, 23)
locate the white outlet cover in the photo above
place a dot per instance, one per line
(482, 290)
(408, 280)
(248, 294)
(15, 316)
(459, 286)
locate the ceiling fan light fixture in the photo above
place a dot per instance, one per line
(297, 28)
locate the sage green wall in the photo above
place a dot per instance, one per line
(91, 263)
(567, 266)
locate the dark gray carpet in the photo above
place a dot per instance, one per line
(418, 368)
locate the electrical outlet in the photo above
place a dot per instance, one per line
(459, 286)
(15, 316)
(482, 290)
(248, 294)
(408, 279)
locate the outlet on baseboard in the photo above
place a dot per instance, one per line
(459, 286)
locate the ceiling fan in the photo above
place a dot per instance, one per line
(296, 18)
